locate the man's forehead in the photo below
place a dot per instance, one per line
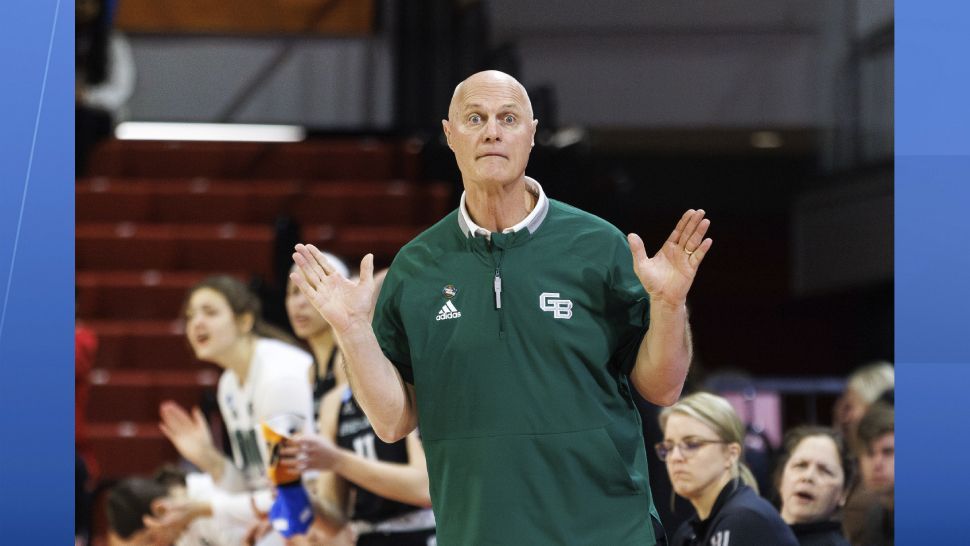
(482, 94)
(477, 105)
(488, 90)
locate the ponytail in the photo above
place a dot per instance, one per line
(747, 477)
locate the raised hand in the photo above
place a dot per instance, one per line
(189, 433)
(342, 302)
(668, 275)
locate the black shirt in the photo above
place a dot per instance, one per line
(322, 385)
(355, 433)
(820, 533)
(739, 517)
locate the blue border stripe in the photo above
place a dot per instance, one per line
(30, 164)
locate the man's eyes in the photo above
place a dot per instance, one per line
(508, 119)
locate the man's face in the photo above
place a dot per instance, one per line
(490, 129)
(877, 464)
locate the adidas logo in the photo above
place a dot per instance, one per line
(448, 311)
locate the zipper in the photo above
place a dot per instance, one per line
(497, 288)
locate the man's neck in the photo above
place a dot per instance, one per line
(497, 208)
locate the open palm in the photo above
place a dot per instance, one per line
(669, 274)
(342, 302)
(188, 432)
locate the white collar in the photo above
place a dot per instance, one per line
(531, 221)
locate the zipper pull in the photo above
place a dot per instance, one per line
(498, 289)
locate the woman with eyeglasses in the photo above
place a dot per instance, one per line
(702, 448)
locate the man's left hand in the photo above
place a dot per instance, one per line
(668, 275)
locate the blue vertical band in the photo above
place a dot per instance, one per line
(932, 271)
(36, 272)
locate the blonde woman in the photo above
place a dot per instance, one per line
(702, 448)
(863, 388)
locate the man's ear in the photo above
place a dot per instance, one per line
(446, 127)
(535, 125)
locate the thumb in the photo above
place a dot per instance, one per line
(197, 416)
(636, 247)
(367, 268)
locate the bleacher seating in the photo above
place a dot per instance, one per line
(153, 218)
(331, 159)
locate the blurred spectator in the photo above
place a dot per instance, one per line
(85, 349)
(312, 328)
(383, 488)
(703, 448)
(135, 501)
(82, 503)
(104, 77)
(868, 519)
(265, 376)
(85, 466)
(813, 478)
(863, 387)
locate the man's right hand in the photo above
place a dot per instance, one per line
(343, 303)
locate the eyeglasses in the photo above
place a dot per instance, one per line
(688, 448)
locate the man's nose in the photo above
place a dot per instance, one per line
(492, 131)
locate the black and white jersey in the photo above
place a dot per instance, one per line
(277, 384)
(355, 433)
(323, 385)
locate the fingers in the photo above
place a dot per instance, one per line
(680, 227)
(198, 417)
(293, 457)
(695, 239)
(174, 415)
(299, 279)
(321, 260)
(309, 269)
(168, 432)
(697, 256)
(694, 218)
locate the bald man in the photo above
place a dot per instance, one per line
(510, 331)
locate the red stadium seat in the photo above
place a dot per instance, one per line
(353, 242)
(133, 294)
(145, 345)
(128, 448)
(134, 395)
(130, 246)
(363, 158)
